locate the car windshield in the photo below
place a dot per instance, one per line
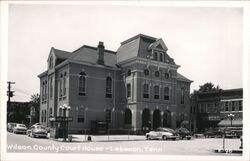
(166, 130)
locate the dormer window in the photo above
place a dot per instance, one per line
(51, 62)
(161, 57)
(155, 56)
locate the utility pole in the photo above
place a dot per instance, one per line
(9, 93)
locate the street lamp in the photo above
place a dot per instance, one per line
(231, 116)
(65, 108)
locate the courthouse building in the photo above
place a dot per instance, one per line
(136, 86)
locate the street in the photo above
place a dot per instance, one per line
(201, 146)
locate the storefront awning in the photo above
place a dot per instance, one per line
(227, 123)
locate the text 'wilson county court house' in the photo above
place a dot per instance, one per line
(136, 86)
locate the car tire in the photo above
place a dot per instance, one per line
(148, 137)
(164, 137)
(188, 138)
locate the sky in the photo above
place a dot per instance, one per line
(205, 41)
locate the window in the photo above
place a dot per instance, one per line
(128, 90)
(156, 92)
(182, 95)
(108, 115)
(157, 74)
(240, 105)
(161, 57)
(166, 75)
(42, 116)
(80, 117)
(108, 87)
(60, 86)
(226, 106)
(127, 117)
(82, 84)
(45, 115)
(145, 91)
(64, 83)
(182, 117)
(51, 62)
(45, 93)
(50, 111)
(146, 72)
(51, 87)
(166, 93)
(233, 105)
(129, 72)
(155, 56)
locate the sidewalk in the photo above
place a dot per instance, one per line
(104, 138)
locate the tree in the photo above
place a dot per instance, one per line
(35, 106)
(208, 87)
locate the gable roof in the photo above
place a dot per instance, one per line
(182, 78)
(61, 54)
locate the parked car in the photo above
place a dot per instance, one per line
(183, 133)
(213, 133)
(37, 131)
(10, 126)
(162, 133)
(20, 128)
(230, 134)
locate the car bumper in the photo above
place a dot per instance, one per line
(40, 135)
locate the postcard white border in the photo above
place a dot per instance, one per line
(35, 156)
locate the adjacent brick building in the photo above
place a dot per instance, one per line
(136, 86)
(212, 109)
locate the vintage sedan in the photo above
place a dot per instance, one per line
(19, 128)
(37, 131)
(162, 133)
(183, 133)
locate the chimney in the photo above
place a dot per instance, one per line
(100, 52)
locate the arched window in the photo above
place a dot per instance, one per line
(50, 111)
(145, 91)
(80, 117)
(129, 72)
(157, 73)
(128, 117)
(60, 112)
(128, 90)
(51, 87)
(161, 57)
(146, 72)
(166, 75)
(109, 87)
(166, 93)
(182, 95)
(156, 92)
(51, 62)
(42, 116)
(45, 115)
(108, 115)
(82, 84)
(155, 56)
(64, 83)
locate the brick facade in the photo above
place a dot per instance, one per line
(136, 86)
